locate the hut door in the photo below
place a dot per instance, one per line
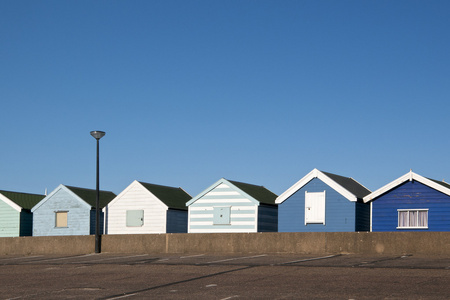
(315, 208)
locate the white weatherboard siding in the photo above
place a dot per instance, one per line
(136, 197)
(243, 212)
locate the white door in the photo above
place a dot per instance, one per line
(315, 208)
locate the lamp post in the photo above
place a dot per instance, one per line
(97, 135)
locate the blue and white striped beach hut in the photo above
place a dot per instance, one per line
(231, 206)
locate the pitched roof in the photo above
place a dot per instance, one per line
(24, 200)
(441, 186)
(171, 196)
(443, 183)
(350, 184)
(258, 192)
(90, 196)
(346, 186)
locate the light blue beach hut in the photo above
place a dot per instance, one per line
(68, 210)
(16, 218)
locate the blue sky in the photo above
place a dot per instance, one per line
(189, 92)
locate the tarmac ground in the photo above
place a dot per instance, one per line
(206, 276)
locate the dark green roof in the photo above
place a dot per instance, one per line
(90, 196)
(24, 200)
(258, 192)
(171, 196)
(350, 185)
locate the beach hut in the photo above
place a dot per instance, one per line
(232, 206)
(147, 208)
(411, 203)
(16, 218)
(324, 202)
(68, 210)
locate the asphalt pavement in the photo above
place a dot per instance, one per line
(206, 276)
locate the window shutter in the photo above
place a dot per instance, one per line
(135, 218)
(61, 219)
(222, 215)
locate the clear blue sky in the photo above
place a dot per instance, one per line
(189, 92)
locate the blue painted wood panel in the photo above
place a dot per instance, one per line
(341, 215)
(267, 218)
(411, 195)
(362, 219)
(177, 221)
(78, 217)
(26, 223)
(92, 221)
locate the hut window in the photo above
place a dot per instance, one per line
(315, 208)
(222, 215)
(412, 218)
(135, 218)
(61, 219)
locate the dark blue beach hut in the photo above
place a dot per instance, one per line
(411, 203)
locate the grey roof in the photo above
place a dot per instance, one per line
(24, 200)
(444, 184)
(258, 192)
(90, 196)
(350, 185)
(171, 196)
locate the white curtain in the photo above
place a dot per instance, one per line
(423, 218)
(402, 219)
(413, 218)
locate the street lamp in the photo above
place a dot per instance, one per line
(97, 135)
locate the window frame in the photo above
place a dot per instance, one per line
(408, 214)
(61, 212)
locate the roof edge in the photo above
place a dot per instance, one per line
(315, 173)
(410, 176)
(220, 181)
(10, 203)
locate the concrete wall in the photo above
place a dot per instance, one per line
(369, 243)
(30, 245)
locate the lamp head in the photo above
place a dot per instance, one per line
(98, 134)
